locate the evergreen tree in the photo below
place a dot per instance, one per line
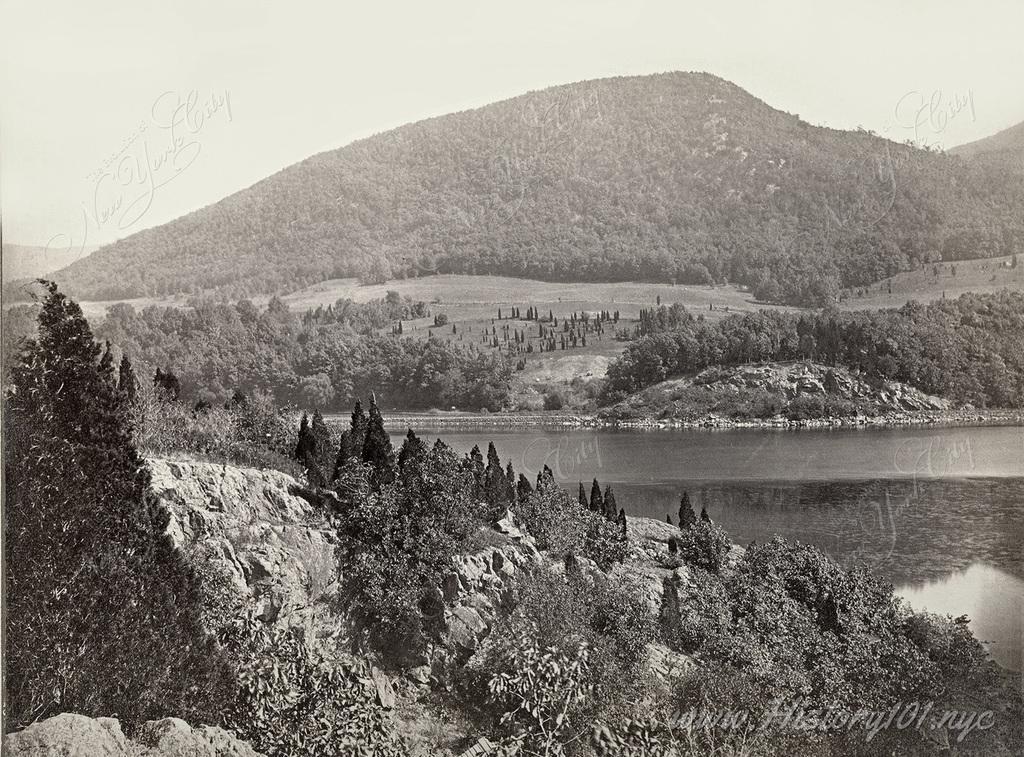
(611, 510)
(324, 455)
(673, 545)
(344, 454)
(358, 433)
(475, 465)
(668, 518)
(584, 503)
(687, 517)
(412, 451)
(523, 488)
(596, 500)
(497, 491)
(103, 614)
(545, 479)
(704, 515)
(127, 384)
(510, 478)
(305, 447)
(377, 449)
(623, 527)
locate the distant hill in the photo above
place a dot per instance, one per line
(680, 176)
(28, 261)
(1007, 144)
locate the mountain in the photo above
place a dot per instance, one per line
(678, 176)
(22, 261)
(1001, 153)
(1008, 143)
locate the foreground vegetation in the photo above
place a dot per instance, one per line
(565, 667)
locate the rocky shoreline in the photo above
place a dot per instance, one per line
(456, 421)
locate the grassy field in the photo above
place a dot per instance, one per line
(471, 305)
(980, 276)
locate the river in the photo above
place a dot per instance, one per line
(939, 512)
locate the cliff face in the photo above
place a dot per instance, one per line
(270, 547)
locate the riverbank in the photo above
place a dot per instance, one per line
(537, 419)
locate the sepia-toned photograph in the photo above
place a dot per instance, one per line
(538, 379)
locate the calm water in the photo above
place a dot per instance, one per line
(938, 512)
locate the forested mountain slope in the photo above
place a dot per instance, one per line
(679, 176)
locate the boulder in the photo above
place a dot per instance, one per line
(465, 628)
(71, 735)
(172, 737)
(383, 687)
(506, 525)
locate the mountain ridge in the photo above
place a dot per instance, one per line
(642, 178)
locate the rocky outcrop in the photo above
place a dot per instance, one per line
(273, 548)
(842, 398)
(71, 735)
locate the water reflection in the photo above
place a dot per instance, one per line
(991, 598)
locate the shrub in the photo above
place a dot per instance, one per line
(574, 649)
(294, 701)
(553, 401)
(705, 545)
(561, 525)
(397, 540)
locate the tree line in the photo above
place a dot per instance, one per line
(968, 349)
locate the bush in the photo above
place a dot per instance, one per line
(571, 653)
(561, 526)
(251, 432)
(553, 401)
(704, 545)
(396, 542)
(293, 701)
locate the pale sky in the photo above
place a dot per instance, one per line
(84, 80)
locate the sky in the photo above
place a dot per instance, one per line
(118, 116)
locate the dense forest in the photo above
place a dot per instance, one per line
(672, 177)
(969, 349)
(322, 358)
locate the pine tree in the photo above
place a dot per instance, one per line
(584, 503)
(523, 488)
(304, 447)
(497, 492)
(596, 500)
(623, 527)
(704, 515)
(475, 465)
(611, 510)
(545, 479)
(103, 615)
(687, 517)
(344, 454)
(323, 453)
(377, 449)
(510, 479)
(412, 452)
(358, 433)
(127, 384)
